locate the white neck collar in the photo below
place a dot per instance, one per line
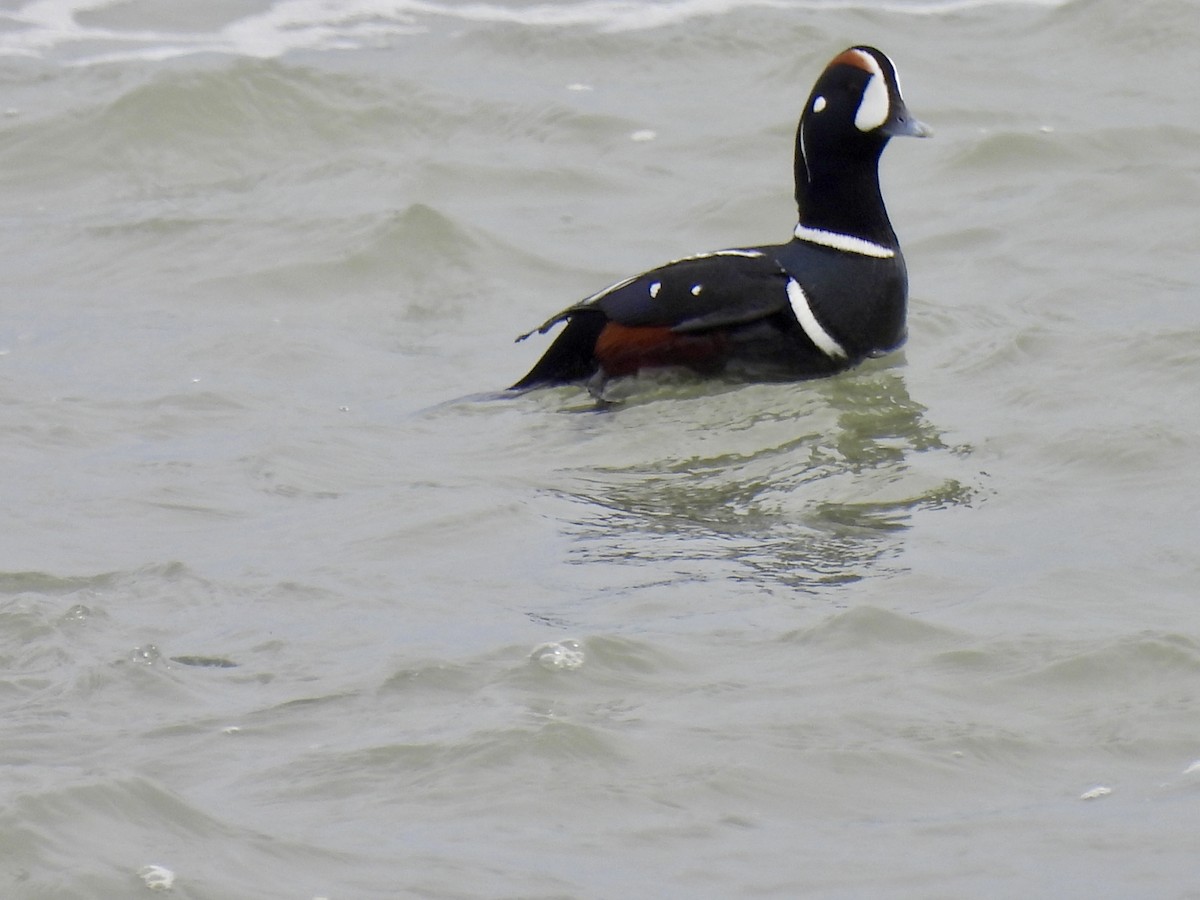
(847, 243)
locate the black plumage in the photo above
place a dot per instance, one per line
(833, 295)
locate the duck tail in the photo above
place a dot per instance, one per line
(572, 355)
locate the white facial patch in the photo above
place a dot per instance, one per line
(696, 289)
(808, 321)
(875, 106)
(654, 289)
(818, 104)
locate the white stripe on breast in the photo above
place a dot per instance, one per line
(808, 321)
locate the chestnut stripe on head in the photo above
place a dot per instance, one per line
(875, 105)
(860, 59)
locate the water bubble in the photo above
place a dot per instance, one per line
(558, 655)
(157, 878)
(1096, 793)
(147, 655)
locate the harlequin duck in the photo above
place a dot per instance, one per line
(832, 296)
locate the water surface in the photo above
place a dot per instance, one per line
(291, 606)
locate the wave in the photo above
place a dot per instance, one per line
(87, 32)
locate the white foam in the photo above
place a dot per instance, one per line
(558, 655)
(52, 28)
(157, 878)
(637, 15)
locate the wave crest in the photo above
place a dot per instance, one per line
(84, 32)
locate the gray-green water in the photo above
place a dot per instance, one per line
(285, 615)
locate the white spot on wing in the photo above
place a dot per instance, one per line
(808, 321)
(624, 283)
(655, 288)
(847, 243)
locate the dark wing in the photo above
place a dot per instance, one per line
(692, 298)
(710, 290)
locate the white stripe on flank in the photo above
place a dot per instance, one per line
(748, 254)
(808, 321)
(608, 290)
(847, 243)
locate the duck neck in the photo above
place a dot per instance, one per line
(841, 194)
